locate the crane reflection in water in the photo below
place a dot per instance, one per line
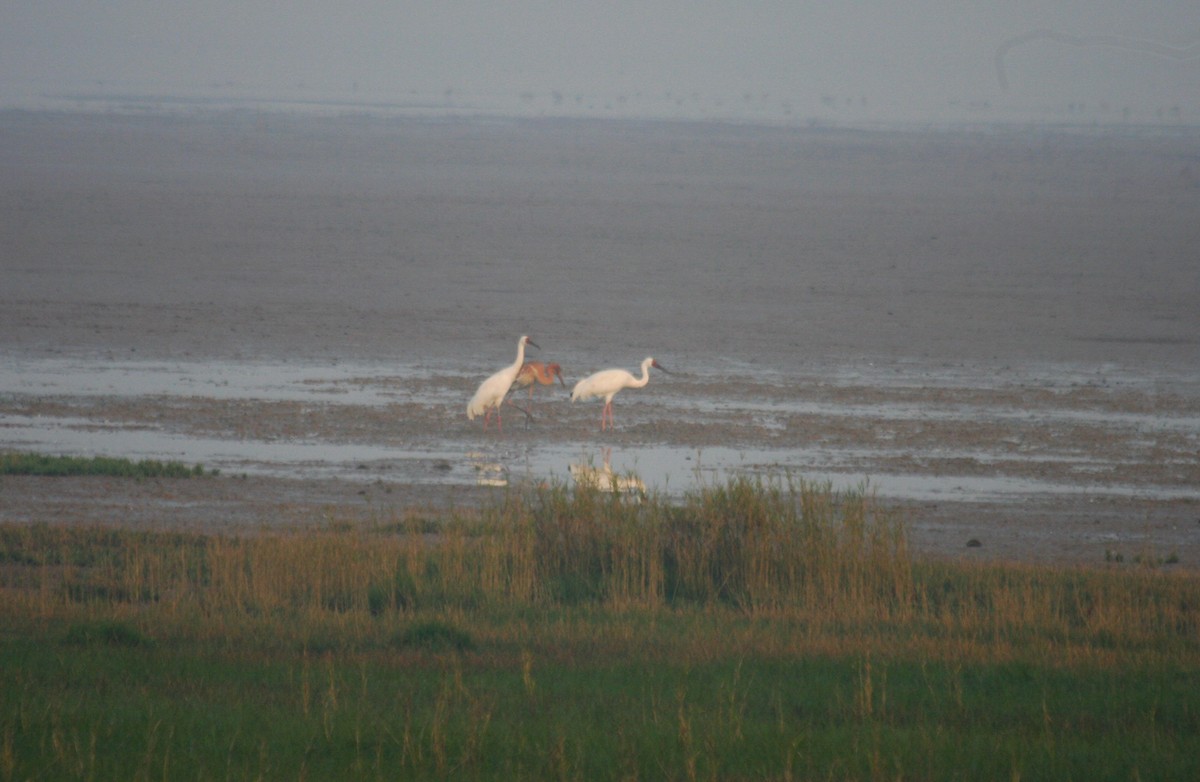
(587, 474)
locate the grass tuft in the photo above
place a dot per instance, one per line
(105, 633)
(436, 636)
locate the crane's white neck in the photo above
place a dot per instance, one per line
(645, 378)
(520, 353)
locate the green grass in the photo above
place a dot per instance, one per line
(752, 631)
(40, 464)
(124, 711)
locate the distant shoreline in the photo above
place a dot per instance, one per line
(464, 107)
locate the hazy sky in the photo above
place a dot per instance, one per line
(872, 58)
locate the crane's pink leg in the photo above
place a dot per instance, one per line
(488, 414)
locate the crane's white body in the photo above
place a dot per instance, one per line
(492, 391)
(607, 383)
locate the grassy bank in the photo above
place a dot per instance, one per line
(752, 631)
(13, 463)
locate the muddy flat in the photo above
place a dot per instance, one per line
(993, 331)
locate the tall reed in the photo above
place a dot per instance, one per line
(748, 543)
(769, 544)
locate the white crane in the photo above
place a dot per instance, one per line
(608, 382)
(492, 391)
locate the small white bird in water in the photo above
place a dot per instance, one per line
(492, 391)
(608, 382)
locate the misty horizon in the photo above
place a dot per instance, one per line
(765, 62)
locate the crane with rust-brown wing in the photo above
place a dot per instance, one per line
(535, 373)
